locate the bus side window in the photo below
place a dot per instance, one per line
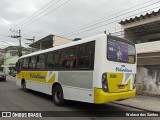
(84, 61)
(41, 62)
(25, 63)
(69, 58)
(49, 61)
(56, 59)
(32, 62)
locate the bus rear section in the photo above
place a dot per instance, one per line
(118, 79)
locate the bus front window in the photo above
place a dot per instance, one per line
(120, 50)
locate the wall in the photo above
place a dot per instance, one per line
(148, 80)
(9, 60)
(129, 35)
(1, 59)
(60, 41)
(146, 38)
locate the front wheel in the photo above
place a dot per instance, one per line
(57, 95)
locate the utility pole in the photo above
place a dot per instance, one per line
(33, 40)
(20, 46)
(20, 39)
(17, 34)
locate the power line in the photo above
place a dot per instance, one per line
(30, 16)
(107, 23)
(23, 25)
(49, 4)
(46, 14)
(37, 14)
(110, 19)
(43, 11)
(108, 16)
(34, 13)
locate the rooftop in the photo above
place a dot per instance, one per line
(137, 18)
(47, 41)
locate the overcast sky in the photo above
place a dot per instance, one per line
(67, 18)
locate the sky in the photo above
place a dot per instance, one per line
(67, 18)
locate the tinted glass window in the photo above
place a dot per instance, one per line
(32, 62)
(84, 61)
(52, 60)
(40, 61)
(69, 58)
(25, 63)
(49, 62)
(56, 59)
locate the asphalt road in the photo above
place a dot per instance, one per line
(12, 98)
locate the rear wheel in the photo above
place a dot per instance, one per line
(57, 95)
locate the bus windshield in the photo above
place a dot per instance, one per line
(120, 50)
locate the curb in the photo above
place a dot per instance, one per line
(136, 107)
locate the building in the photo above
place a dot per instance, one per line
(10, 57)
(145, 30)
(148, 69)
(49, 41)
(1, 59)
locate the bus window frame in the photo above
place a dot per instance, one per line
(89, 56)
(60, 52)
(121, 40)
(68, 58)
(53, 53)
(40, 69)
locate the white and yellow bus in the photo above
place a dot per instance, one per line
(97, 69)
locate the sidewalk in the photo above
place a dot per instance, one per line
(142, 102)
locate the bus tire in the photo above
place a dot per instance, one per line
(24, 85)
(57, 95)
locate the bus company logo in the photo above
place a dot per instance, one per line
(123, 69)
(32, 75)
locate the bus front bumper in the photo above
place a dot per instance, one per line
(101, 97)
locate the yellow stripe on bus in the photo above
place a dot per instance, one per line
(36, 76)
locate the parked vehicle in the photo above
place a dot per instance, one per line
(2, 76)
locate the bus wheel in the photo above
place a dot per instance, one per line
(57, 95)
(24, 86)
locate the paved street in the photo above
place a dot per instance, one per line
(13, 98)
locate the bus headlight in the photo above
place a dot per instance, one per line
(104, 82)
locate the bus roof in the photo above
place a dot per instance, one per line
(64, 46)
